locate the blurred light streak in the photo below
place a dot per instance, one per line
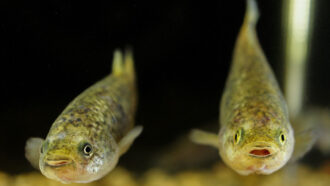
(297, 29)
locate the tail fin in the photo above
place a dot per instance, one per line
(129, 63)
(248, 35)
(251, 14)
(117, 64)
(123, 65)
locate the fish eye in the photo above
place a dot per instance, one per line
(282, 138)
(237, 136)
(87, 149)
(41, 149)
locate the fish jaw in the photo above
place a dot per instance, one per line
(260, 157)
(257, 169)
(59, 162)
(72, 169)
(67, 172)
(62, 169)
(256, 158)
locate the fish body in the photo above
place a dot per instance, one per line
(94, 130)
(255, 134)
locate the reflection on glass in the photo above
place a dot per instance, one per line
(298, 14)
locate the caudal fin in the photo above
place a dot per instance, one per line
(123, 64)
(248, 35)
(251, 14)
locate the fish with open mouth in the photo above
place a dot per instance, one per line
(256, 135)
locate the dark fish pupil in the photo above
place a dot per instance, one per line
(282, 137)
(88, 149)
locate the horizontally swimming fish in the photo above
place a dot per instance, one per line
(95, 129)
(256, 135)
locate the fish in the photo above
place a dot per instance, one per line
(87, 139)
(256, 135)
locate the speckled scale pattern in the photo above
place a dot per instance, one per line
(106, 108)
(252, 93)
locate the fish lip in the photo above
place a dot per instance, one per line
(261, 156)
(271, 150)
(58, 162)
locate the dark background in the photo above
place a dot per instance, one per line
(53, 50)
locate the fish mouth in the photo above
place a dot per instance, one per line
(60, 162)
(260, 153)
(261, 150)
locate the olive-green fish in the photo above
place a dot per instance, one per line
(95, 129)
(255, 135)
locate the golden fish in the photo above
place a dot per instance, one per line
(255, 135)
(95, 129)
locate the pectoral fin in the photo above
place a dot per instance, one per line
(129, 138)
(32, 151)
(204, 138)
(320, 118)
(305, 133)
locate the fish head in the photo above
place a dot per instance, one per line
(257, 149)
(77, 157)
